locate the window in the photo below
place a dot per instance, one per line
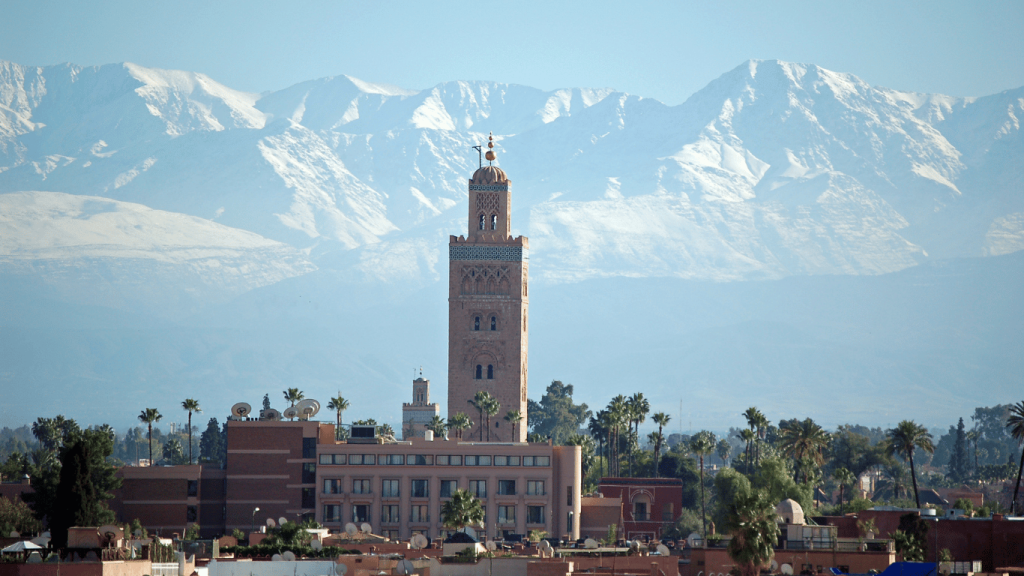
(506, 514)
(420, 489)
(332, 513)
(481, 221)
(507, 487)
(332, 459)
(479, 372)
(309, 498)
(534, 514)
(389, 489)
(494, 221)
(494, 323)
(361, 487)
(535, 488)
(478, 460)
(448, 487)
(478, 488)
(536, 461)
(568, 496)
(309, 447)
(309, 473)
(419, 514)
(192, 514)
(389, 514)
(449, 460)
(490, 371)
(392, 459)
(640, 512)
(476, 323)
(360, 512)
(365, 459)
(668, 513)
(420, 459)
(193, 488)
(390, 534)
(506, 460)
(332, 486)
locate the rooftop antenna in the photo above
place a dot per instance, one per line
(479, 151)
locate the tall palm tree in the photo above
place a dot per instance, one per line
(459, 422)
(1016, 425)
(491, 408)
(437, 425)
(757, 422)
(617, 412)
(903, 439)
(148, 416)
(845, 478)
(339, 405)
(479, 401)
(661, 419)
(462, 510)
(191, 405)
(293, 395)
(638, 408)
(748, 435)
(514, 417)
(804, 440)
(702, 444)
(598, 429)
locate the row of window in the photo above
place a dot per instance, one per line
(479, 375)
(420, 488)
(494, 323)
(432, 460)
(390, 514)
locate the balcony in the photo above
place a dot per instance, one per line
(641, 517)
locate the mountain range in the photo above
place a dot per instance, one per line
(163, 235)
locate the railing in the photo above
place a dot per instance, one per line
(641, 517)
(164, 569)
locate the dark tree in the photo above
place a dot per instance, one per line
(556, 415)
(210, 442)
(959, 462)
(85, 482)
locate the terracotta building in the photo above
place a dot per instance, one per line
(648, 505)
(488, 308)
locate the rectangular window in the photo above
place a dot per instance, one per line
(390, 534)
(536, 461)
(568, 495)
(192, 514)
(392, 459)
(308, 498)
(534, 514)
(309, 473)
(506, 460)
(421, 459)
(506, 514)
(667, 512)
(332, 459)
(362, 459)
(535, 488)
(419, 514)
(448, 487)
(332, 486)
(420, 489)
(478, 488)
(360, 513)
(361, 487)
(478, 460)
(389, 489)
(507, 487)
(640, 512)
(389, 514)
(332, 513)
(309, 447)
(193, 488)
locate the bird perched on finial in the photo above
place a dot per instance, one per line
(491, 156)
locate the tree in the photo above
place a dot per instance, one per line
(462, 510)
(748, 436)
(459, 422)
(702, 444)
(586, 444)
(1015, 423)
(598, 429)
(845, 478)
(339, 405)
(911, 538)
(147, 417)
(724, 450)
(805, 441)
(758, 423)
(437, 426)
(16, 515)
(293, 395)
(618, 411)
(491, 408)
(478, 401)
(55, 433)
(661, 419)
(903, 439)
(514, 417)
(191, 405)
(556, 416)
(637, 409)
(959, 464)
(210, 442)
(173, 452)
(755, 533)
(84, 486)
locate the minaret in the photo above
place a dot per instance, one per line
(416, 415)
(488, 307)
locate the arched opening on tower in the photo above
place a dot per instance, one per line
(476, 323)
(479, 372)
(490, 371)
(494, 323)
(494, 221)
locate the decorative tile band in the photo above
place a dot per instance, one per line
(488, 187)
(501, 253)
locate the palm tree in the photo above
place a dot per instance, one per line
(903, 439)
(657, 439)
(491, 407)
(752, 521)
(757, 423)
(462, 510)
(617, 411)
(339, 405)
(192, 405)
(293, 395)
(845, 478)
(514, 417)
(661, 419)
(748, 435)
(148, 416)
(479, 401)
(702, 444)
(638, 408)
(1016, 425)
(724, 450)
(804, 440)
(437, 426)
(598, 428)
(459, 422)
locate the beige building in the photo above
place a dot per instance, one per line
(416, 415)
(488, 309)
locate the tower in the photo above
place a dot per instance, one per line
(416, 415)
(488, 309)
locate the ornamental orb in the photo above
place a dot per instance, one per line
(491, 156)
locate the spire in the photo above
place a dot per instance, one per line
(491, 156)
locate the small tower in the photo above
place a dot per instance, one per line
(416, 415)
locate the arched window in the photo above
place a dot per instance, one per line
(476, 323)
(479, 371)
(481, 221)
(494, 323)
(494, 221)
(490, 371)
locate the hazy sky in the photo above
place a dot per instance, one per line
(665, 50)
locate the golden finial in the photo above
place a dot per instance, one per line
(491, 156)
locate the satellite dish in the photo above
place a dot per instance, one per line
(282, 521)
(419, 541)
(276, 558)
(775, 566)
(545, 545)
(316, 545)
(590, 544)
(241, 410)
(340, 569)
(365, 528)
(271, 523)
(288, 556)
(470, 532)
(351, 529)
(290, 413)
(491, 545)
(663, 550)
(271, 414)
(634, 545)
(786, 569)
(405, 567)
(308, 408)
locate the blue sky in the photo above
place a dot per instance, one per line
(665, 50)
